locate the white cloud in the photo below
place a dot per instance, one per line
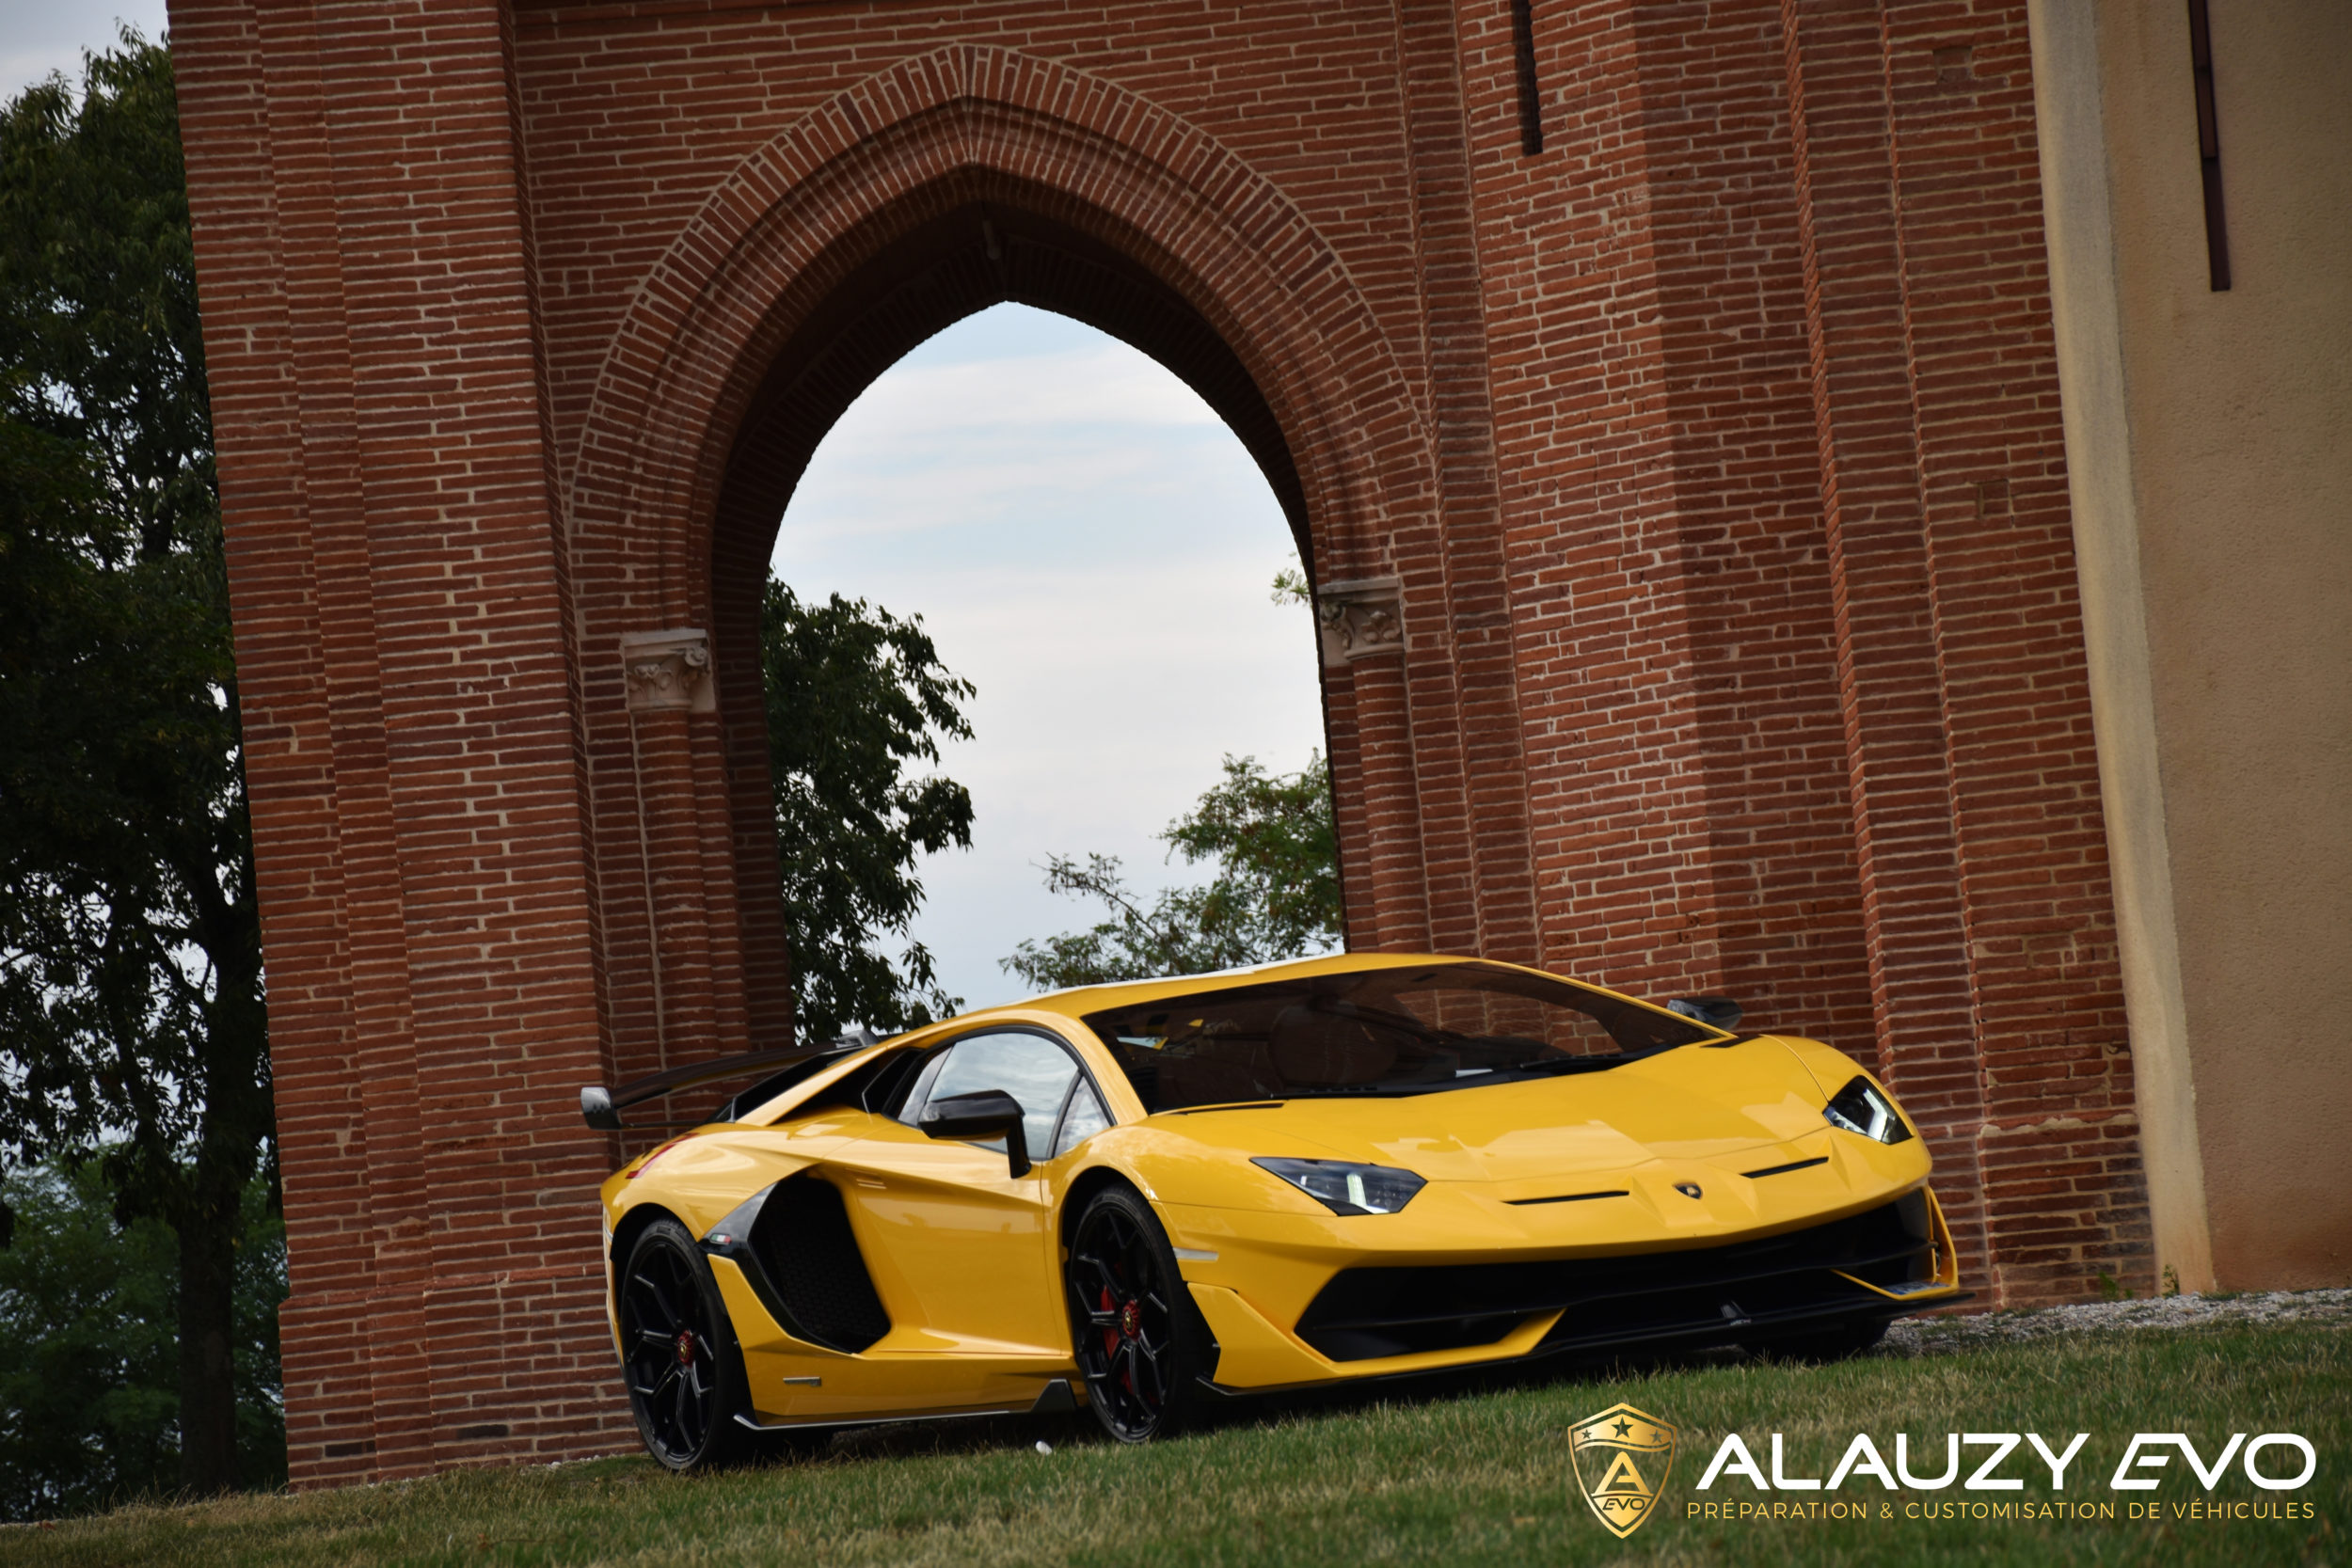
(935, 445)
(1103, 384)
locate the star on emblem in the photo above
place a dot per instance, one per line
(1624, 1426)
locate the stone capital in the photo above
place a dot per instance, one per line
(668, 670)
(1363, 619)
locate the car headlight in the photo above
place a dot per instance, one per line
(1348, 1189)
(1860, 1107)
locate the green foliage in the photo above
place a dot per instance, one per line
(131, 1018)
(99, 333)
(855, 696)
(90, 1395)
(1276, 894)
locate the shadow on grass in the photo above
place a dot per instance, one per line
(1005, 1433)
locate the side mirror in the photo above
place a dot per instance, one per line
(990, 1113)
(1716, 1012)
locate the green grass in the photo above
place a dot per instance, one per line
(1479, 1478)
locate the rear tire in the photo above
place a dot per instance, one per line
(678, 1355)
(1140, 1343)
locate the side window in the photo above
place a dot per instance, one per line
(911, 1108)
(1030, 1067)
(1085, 1118)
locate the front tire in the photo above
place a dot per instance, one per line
(1140, 1343)
(678, 1355)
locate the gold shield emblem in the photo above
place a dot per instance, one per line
(1622, 1459)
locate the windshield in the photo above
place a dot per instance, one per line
(1392, 1031)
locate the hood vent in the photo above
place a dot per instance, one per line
(1783, 1170)
(1565, 1198)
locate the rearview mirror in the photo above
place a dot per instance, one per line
(990, 1113)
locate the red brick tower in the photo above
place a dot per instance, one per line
(1663, 394)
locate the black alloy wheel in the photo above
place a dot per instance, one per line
(678, 1355)
(1140, 1344)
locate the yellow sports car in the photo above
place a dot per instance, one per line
(1144, 1196)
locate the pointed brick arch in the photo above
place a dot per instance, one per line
(795, 221)
(824, 256)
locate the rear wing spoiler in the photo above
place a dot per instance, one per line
(601, 1107)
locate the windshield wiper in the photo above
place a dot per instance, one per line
(1551, 1066)
(1373, 1091)
(1478, 1078)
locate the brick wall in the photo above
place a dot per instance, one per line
(1712, 453)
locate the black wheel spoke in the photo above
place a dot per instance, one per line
(660, 1303)
(1101, 1270)
(1139, 1379)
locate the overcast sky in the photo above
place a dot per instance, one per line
(37, 36)
(1091, 547)
(1085, 542)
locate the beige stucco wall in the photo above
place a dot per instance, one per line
(2209, 442)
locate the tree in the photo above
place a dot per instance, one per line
(88, 1398)
(1276, 894)
(855, 695)
(131, 1019)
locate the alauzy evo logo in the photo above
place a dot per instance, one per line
(1622, 1459)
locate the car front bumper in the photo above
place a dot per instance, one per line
(1365, 1316)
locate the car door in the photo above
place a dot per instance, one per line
(963, 1250)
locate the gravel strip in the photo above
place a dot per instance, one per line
(1939, 1336)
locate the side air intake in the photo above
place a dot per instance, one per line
(802, 1244)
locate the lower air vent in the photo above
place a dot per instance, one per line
(804, 1243)
(1364, 1313)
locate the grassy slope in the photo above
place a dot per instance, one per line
(1478, 1479)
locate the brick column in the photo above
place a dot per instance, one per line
(1889, 684)
(2064, 1193)
(1361, 637)
(1959, 642)
(1461, 676)
(401, 613)
(684, 967)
